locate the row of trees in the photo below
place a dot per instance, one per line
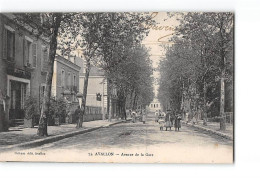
(197, 73)
(111, 41)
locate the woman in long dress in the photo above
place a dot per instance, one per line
(168, 120)
(144, 116)
(177, 123)
(133, 116)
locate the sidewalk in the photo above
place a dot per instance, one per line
(25, 137)
(214, 128)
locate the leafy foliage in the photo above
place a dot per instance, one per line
(201, 54)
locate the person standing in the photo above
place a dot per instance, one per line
(144, 116)
(133, 116)
(168, 119)
(177, 123)
(77, 115)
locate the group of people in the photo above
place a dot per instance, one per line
(170, 120)
(141, 115)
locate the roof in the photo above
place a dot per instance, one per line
(94, 71)
(67, 62)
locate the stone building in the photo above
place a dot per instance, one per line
(155, 105)
(22, 57)
(97, 83)
(65, 80)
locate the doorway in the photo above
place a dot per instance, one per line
(18, 95)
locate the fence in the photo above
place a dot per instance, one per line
(228, 116)
(92, 113)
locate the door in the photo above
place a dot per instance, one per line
(17, 92)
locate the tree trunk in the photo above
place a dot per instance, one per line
(133, 107)
(204, 104)
(110, 102)
(131, 99)
(222, 102)
(222, 81)
(42, 129)
(124, 108)
(85, 92)
(110, 108)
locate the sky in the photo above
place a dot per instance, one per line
(155, 40)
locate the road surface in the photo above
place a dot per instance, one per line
(138, 142)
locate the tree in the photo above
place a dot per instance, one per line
(82, 32)
(201, 54)
(214, 34)
(47, 25)
(121, 33)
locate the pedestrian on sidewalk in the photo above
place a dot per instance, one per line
(144, 116)
(168, 119)
(177, 122)
(133, 116)
(78, 117)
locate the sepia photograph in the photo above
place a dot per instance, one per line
(117, 87)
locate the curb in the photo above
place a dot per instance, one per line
(210, 131)
(51, 139)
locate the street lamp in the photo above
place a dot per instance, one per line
(79, 97)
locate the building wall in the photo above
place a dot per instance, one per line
(95, 85)
(21, 34)
(155, 105)
(62, 64)
(3, 76)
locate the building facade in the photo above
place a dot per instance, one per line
(65, 80)
(22, 57)
(97, 84)
(155, 105)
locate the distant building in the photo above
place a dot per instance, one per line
(155, 105)
(97, 83)
(22, 60)
(65, 80)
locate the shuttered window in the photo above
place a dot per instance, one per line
(34, 55)
(28, 53)
(62, 78)
(8, 43)
(45, 54)
(4, 44)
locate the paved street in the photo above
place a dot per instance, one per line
(186, 145)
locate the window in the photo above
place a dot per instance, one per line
(44, 58)
(74, 80)
(62, 78)
(34, 55)
(157, 105)
(69, 80)
(8, 43)
(45, 53)
(30, 52)
(74, 87)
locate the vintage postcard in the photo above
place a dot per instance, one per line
(117, 87)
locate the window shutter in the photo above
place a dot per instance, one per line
(45, 54)
(25, 52)
(42, 58)
(30, 54)
(34, 55)
(5, 44)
